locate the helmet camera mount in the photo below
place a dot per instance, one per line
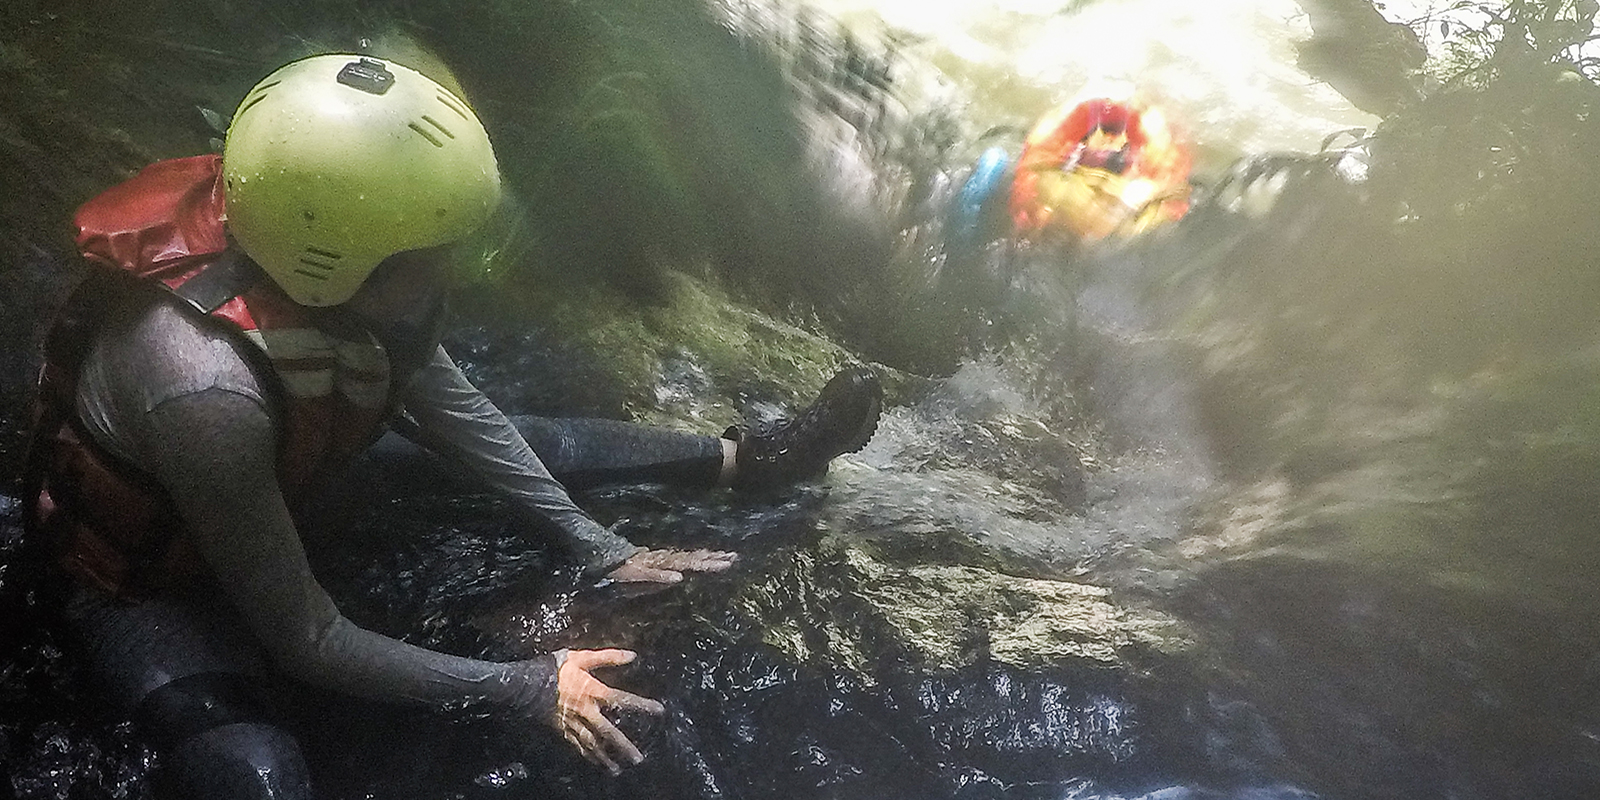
(369, 75)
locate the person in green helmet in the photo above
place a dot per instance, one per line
(250, 323)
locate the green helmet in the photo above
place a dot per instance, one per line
(336, 162)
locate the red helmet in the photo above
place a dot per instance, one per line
(1107, 115)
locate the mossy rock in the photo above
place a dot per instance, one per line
(839, 606)
(695, 358)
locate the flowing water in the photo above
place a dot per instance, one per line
(1282, 502)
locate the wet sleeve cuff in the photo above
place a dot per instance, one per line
(597, 549)
(542, 674)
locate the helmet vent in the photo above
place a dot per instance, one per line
(321, 261)
(435, 123)
(261, 94)
(454, 105)
(433, 140)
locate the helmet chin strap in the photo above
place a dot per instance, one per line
(411, 342)
(229, 275)
(409, 327)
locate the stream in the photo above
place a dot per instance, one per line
(1293, 498)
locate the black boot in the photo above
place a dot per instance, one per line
(840, 420)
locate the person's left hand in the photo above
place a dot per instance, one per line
(668, 566)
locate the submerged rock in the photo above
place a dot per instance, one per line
(843, 607)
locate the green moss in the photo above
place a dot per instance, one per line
(739, 345)
(746, 355)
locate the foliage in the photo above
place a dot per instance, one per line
(1482, 41)
(1402, 329)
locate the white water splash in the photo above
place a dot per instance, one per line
(1224, 69)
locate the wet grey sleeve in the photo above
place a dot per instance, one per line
(139, 364)
(458, 421)
(214, 451)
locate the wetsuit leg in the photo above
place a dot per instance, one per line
(190, 676)
(590, 452)
(241, 760)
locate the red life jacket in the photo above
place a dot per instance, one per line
(110, 525)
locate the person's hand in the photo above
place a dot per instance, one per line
(668, 566)
(579, 699)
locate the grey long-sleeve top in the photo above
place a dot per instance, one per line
(178, 400)
(457, 420)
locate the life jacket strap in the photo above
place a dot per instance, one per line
(230, 275)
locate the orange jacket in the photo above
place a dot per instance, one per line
(1056, 138)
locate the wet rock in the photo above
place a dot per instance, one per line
(741, 714)
(843, 607)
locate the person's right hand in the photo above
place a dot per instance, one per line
(666, 567)
(579, 699)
